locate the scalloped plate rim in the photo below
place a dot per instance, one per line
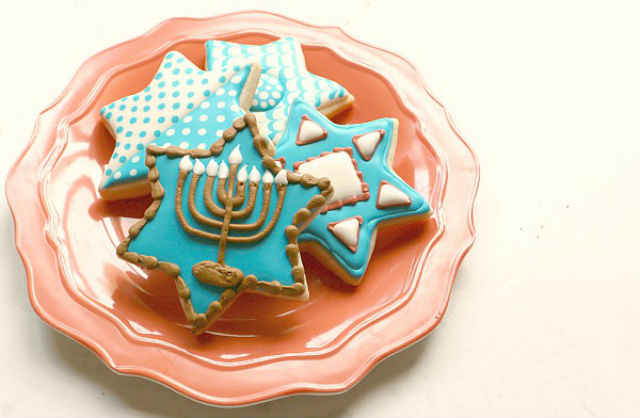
(279, 392)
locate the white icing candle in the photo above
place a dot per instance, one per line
(267, 178)
(254, 176)
(223, 170)
(281, 177)
(235, 157)
(186, 164)
(212, 168)
(242, 174)
(198, 168)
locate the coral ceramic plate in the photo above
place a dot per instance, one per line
(67, 235)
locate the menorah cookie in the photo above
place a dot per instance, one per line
(284, 78)
(138, 119)
(367, 192)
(225, 218)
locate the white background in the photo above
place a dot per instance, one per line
(544, 317)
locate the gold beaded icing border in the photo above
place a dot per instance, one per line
(199, 321)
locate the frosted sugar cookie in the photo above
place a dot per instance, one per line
(225, 218)
(284, 78)
(367, 192)
(138, 119)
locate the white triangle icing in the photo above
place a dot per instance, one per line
(310, 132)
(389, 195)
(367, 143)
(347, 232)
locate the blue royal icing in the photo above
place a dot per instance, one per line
(284, 78)
(138, 119)
(202, 132)
(164, 237)
(334, 229)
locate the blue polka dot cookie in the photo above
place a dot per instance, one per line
(284, 78)
(199, 129)
(177, 88)
(269, 93)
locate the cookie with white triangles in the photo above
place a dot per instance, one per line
(284, 78)
(135, 121)
(357, 159)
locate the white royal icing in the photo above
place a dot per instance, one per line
(281, 177)
(339, 169)
(242, 174)
(310, 132)
(366, 144)
(186, 164)
(198, 168)
(235, 157)
(347, 232)
(267, 178)
(254, 175)
(212, 168)
(223, 170)
(389, 195)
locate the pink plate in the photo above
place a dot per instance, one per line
(261, 348)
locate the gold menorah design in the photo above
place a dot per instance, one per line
(231, 192)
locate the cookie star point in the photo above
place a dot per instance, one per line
(188, 95)
(135, 121)
(357, 159)
(284, 78)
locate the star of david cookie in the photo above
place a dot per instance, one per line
(367, 192)
(225, 218)
(137, 120)
(284, 78)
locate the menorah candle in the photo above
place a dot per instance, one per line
(254, 175)
(267, 177)
(185, 167)
(223, 170)
(198, 168)
(235, 157)
(242, 179)
(230, 174)
(212, 172)
(242, 174)
(254, 179)
(212, 168)
(223, 174)
(185, 164)
(281, 178)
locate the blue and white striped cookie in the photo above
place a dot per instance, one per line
(135, 121)
(284, 78)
